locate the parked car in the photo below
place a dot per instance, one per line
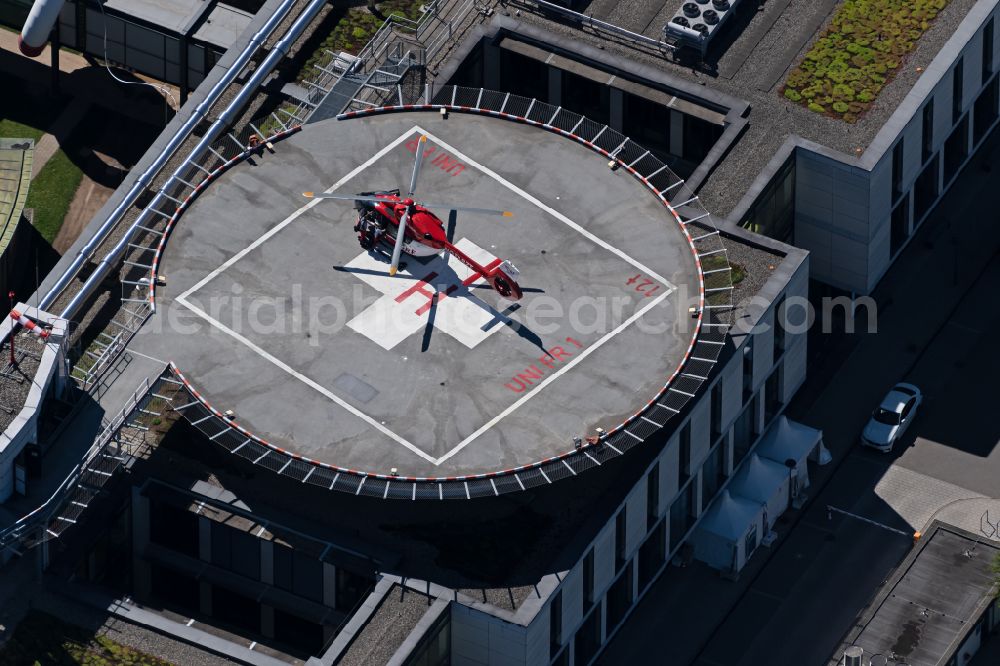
(892, 417)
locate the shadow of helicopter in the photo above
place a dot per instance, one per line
(447, 275)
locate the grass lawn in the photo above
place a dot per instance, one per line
(11, 129)
(51, 193)
(53, 188)
(858, 54)
(43, 640)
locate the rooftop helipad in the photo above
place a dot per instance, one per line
(275, 312)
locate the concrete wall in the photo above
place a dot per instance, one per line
(480, 639)
(832, 218)
(50, 376)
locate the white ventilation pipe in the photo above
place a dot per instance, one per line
(37, 27)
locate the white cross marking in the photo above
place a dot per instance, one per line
(405, 306)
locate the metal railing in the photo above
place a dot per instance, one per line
(138, 281)
(713, 314)
(83, 483)
(147, 177)
(177, 182)
(596, 24)
(151, 220)
(398, 40)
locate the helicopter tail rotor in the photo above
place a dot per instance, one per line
(503, 279)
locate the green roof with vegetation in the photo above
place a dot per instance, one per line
(858, 54)
(355, 28)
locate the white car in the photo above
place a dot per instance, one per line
(891, 418)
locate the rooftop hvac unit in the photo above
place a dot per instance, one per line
(697, 21)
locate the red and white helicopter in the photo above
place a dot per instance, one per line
(385, 217)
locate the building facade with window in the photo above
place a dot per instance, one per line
(568, 616)
(854, 213)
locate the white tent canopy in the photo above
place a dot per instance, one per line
(764, 482)
(721, 537)
(788, 440)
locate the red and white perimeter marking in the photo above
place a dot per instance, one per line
(347, 406)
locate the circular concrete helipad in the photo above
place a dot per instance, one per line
(273, 310)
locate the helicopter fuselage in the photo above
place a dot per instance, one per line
(425, 236)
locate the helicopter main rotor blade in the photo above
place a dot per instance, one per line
(452, 221)
(400, 239)
(465, 209)
(416, 164)
(341, 197)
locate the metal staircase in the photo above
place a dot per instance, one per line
(121, 439)
(375, 76)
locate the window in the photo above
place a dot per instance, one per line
(900, 226)
(716, 408)
(588, 581)
(772, 214)
(988, 51)
(653, 496)
(648, 121)
(680, 512)
(593, 100)
(897, 171)
(685, 452)
(956, 149)
(300, 574)
(984, 112)
(588, 637)
(555, 624)
(713, 473)
(779, 327)
(927, 142)
(173, 528)
(352, 589)
(772, 394)
(908, 407)
(747, 370)
(434, 649)
(925, 193)
(621, 537)
(620, 598)
(236, 551)
(652, 555)
(742, 435)
(956, 91)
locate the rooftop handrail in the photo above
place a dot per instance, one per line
(218, 127)
(147, 177)
(54, 502)
(597, 23)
